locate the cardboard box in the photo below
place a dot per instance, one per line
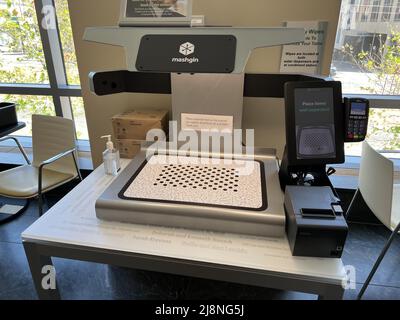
(135, 124)
(128, 148)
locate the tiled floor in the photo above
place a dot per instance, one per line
(81, 280)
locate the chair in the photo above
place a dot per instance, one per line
(54, 161)
(376, 187)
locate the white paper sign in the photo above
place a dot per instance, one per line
(201, 122)
(305, 57)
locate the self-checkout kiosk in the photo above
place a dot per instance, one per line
(203, 69)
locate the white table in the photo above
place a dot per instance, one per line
(71, 230)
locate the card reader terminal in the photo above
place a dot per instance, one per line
(356, 119)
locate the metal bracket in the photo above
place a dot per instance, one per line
(255, 85)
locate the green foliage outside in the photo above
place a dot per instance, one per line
(22, 59)
(383, 68)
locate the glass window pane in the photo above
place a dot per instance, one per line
(383, 132)
(367, 49)
(397, 12)
(21, 53)
(28, 105)
(79, 118)
(67, 41)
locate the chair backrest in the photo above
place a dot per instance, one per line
(51, 136)
(376, 183)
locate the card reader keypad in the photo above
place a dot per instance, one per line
(357, 128)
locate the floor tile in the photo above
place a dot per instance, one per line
(11, 232)
(15, 278)
(363, 247)
(374, 292)
(83, 280)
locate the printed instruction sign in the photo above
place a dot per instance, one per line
(204, 122)
(305, 57)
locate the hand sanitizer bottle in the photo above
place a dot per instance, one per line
(111, 157)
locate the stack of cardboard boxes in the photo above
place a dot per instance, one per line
(131, 128)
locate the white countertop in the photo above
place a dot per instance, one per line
(73, 221)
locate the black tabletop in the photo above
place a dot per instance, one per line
(5, 131)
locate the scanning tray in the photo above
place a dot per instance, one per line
(208, 182)
(207, 193)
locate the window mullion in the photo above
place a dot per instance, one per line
(49, 32)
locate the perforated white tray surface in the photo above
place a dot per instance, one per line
(202, 181)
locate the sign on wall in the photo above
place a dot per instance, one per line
(155, 12)
(305, 57)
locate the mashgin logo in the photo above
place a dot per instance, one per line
(186, 49)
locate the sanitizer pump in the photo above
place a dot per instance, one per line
(111, 157)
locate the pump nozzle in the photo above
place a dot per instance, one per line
(109, 144)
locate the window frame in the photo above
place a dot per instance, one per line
(57, 88)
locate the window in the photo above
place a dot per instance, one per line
(28, 105)
(22, 58)
(397, 12)
(364, 11)
(367, 62)
(387, 10)
(38, 68)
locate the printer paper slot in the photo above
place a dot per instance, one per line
(317, 213)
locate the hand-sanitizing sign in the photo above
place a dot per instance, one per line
(305, 57)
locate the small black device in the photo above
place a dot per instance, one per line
(314, 132)
(314, 123)
(315, 224)
(8, 115)
(356, 119)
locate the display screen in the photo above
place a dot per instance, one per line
(315, 123)
(358, 109)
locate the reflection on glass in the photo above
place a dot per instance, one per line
(367, 48)
(67, 41)
(27, 106)
(79, 118)
(383, 132)
(21, 53)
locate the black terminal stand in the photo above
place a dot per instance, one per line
(313, 175)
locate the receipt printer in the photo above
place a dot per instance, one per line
(315, 224)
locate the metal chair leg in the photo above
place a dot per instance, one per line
(352, 203)
(40, 204)
(77, 167)
(40, 194)
(378, 262)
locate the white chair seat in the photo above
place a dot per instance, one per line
(382, 196)
(22, 182)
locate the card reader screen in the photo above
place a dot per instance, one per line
(358, 109)
(315, 123)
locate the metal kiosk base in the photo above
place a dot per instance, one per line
(240, 195)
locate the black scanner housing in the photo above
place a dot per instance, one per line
(321, 235)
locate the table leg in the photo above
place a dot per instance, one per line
(37, 262)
